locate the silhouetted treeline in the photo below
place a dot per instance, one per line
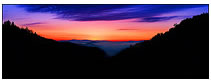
(28, 55)
(181, 52)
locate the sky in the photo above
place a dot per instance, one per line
(100, 22)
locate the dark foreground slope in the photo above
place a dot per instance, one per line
(28, 55)
(181, 52)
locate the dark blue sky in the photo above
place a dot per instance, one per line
(100, 22)
(109, 12)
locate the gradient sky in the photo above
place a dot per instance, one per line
(99, 22)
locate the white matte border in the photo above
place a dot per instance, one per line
(105, 2)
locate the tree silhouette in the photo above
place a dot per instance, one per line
(181, 52)
(28, 55)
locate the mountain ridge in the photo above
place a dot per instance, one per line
(34, 55)
(181, 52)
(175, 52)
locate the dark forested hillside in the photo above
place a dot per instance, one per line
(181, 52)
(28, 55)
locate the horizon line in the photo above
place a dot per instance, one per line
(103, 40)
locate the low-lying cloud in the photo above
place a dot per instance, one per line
(30, 24)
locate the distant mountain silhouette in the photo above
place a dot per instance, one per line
(111, 48)
(181, 52)
(28, 55)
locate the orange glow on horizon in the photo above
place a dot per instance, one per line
(108, 25)
(121, 30)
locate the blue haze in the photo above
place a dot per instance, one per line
(111, 48)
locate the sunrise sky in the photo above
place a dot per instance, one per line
(99, 22)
